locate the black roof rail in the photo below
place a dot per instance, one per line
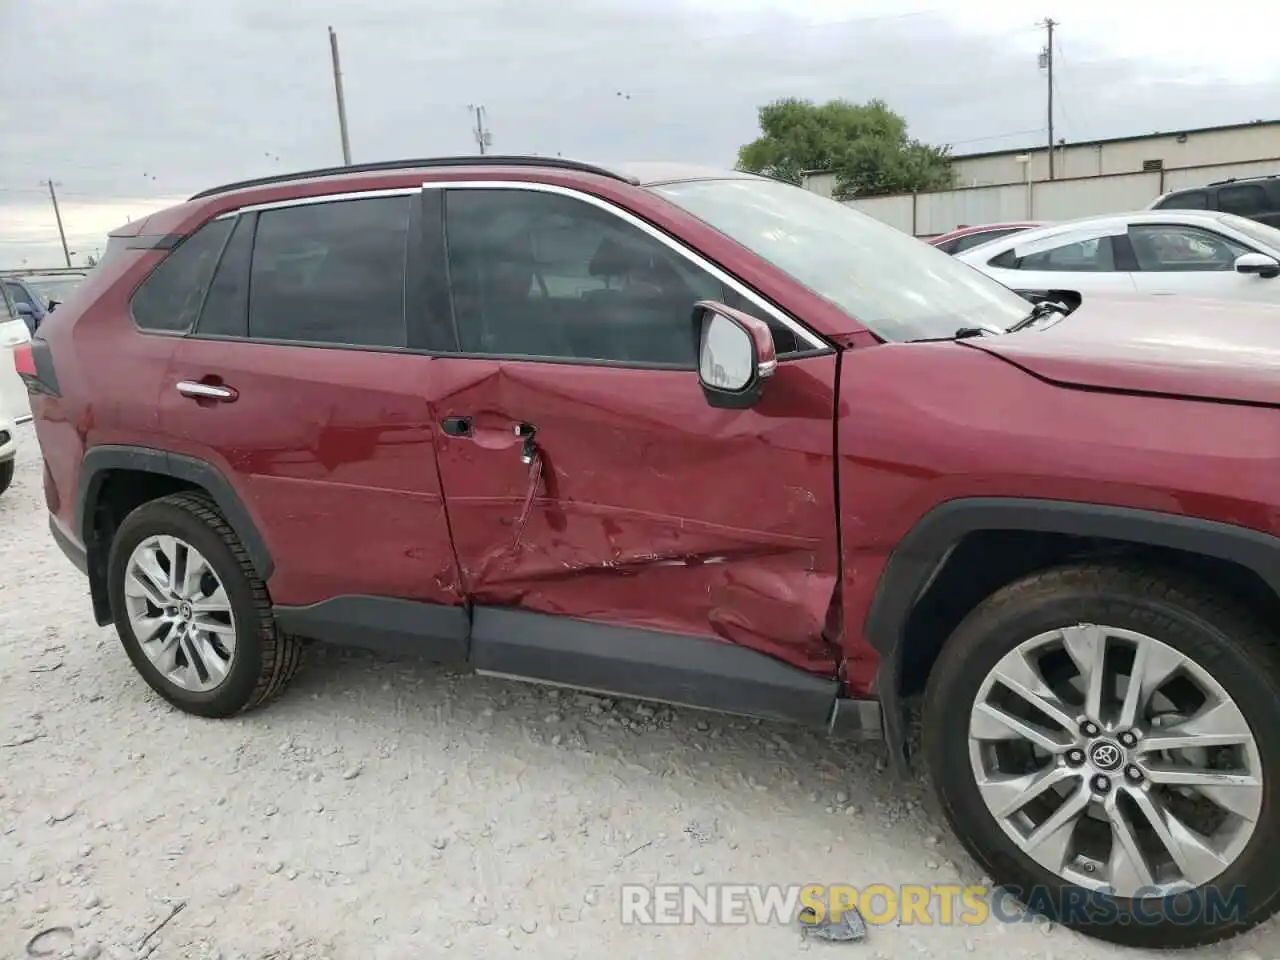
(480, 160)
(1260, 176)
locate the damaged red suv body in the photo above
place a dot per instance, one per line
(699, 437)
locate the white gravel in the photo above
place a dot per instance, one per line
(393, 810)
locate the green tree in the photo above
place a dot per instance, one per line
(865, 145)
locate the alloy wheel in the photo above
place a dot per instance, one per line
(180, 613)
(1115, 761)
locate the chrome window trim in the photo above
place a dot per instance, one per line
(812, 343)
(319, 198)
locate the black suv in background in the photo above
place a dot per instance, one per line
(1257, 198)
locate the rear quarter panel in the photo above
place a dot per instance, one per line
(109, 375)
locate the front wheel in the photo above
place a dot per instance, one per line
(191, 611)
(1113, 769)
(6, 475)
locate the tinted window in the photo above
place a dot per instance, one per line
(19, 294)
(1191, 200)
(226, 308)
(977, 239)
(6, 311)
(542, 275)
(1243, 200)
(1173, 247)
(1083, 256)
(169, 299)
(331, 273)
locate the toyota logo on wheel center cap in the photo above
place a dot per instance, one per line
(184, 610)
(1105, 755)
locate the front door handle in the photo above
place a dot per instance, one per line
(456, 426)
(206, 391)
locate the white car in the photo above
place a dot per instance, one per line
(8, 451)
(1191, 252)
(13, 393)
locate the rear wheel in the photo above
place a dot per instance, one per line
(191, 611)
(1113, 770)
(6, 475)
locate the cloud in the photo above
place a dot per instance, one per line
(154, 98)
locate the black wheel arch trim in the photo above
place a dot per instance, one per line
(920, 555)
(99, 461)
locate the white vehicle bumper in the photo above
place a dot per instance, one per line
(8, 439)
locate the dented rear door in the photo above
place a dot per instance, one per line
(605, 487)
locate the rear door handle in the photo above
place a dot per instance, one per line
(206, 391)
(456, 426)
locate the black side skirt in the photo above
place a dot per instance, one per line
(620, 661)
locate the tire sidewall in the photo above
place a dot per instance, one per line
(990, 633)
(166, 518)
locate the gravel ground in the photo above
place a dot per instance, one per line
(392, 810)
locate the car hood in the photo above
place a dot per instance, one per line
(1166, 345)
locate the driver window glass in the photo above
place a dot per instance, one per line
(537, 274)
(1171, 248)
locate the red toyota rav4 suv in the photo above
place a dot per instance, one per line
(705, 438)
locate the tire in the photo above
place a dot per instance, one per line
(1230, 646)
(6, 474)
(264, 659)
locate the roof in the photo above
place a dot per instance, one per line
(652, 173)
(640, 174)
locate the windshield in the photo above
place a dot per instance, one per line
(901, 288)
(1257, 232)
(54, 288)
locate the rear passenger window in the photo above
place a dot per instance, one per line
(331, 273)
(169, 299)
(226, 308)
(1244, 201)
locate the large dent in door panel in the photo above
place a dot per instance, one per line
(652, 508)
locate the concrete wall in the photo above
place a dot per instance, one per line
(1124, 156)
(927, 214)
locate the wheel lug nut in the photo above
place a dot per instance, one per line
(1089, 728)
(1075, 757)
(1127, 739)
(1101, 784)
(1133, 773)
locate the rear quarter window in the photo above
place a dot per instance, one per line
(169, 299)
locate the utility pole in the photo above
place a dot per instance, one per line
(483, 137)
(57, 215)
(1046, 60)
(342, 103)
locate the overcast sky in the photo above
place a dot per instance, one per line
(128, 104)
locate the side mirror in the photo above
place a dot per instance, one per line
(54, 304)
(735, 355)
(1258, 264)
